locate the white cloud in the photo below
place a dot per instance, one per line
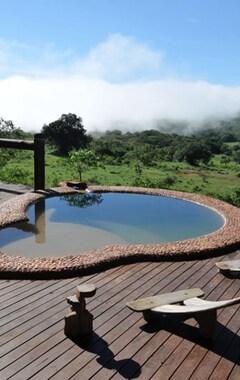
(119, 58)
(93, 88)
(116, 59)
(32, 102)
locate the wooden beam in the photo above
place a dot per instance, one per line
(16, 144)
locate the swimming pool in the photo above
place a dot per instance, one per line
(225, 239)
(62, 225)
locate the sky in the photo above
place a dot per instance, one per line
(119, 63)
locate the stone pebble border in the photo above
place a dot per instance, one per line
(224, 240)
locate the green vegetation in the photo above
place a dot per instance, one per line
(66, 133)
(81, 160)
(206, 162)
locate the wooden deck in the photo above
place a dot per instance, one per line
(123, 346)
(33, 344)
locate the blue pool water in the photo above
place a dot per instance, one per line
(76, 223)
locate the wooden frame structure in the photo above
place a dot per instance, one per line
(38, 146)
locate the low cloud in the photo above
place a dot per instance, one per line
(103, 89)
(32, 102)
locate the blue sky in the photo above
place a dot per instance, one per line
(119, 62)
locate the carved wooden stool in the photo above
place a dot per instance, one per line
(80, 321)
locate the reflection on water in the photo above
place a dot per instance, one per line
(76, 223)
(40, 222)
(83, 201)
(39, 227)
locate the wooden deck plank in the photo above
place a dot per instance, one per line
(192, 350)
(196, 356)
(226, 366)
(148, 358)
(37, 330)
(48, 292)
(114, 335)
(35, 365)
(123, 345)
(11, 304)
(5, 285)
(112, 357)
(23, 324)
(18, 366)
(98, 340)
(234, 375)
(114, 377)
(56, 307)
(225, 332)
(104, 374)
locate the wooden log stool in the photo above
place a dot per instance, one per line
(80, 321)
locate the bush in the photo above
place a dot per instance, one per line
(14, 174)
(168, 181)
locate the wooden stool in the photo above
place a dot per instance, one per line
(80, 321)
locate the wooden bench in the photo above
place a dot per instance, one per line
(204, 312)
(229, 266)
(163, 299)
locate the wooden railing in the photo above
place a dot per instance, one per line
(38, 146)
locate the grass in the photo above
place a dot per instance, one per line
(217, 179)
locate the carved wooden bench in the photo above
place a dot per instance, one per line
(204, 312)
(232, 266)
(163, 299)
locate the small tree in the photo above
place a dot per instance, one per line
(82, 159)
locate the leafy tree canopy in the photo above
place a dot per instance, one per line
(66, 133)
(8, 131)
(196, 151)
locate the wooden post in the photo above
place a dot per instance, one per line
(39, 162)
(38, 146)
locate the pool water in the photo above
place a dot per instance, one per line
(76, 223)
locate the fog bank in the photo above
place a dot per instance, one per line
(30, 103)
